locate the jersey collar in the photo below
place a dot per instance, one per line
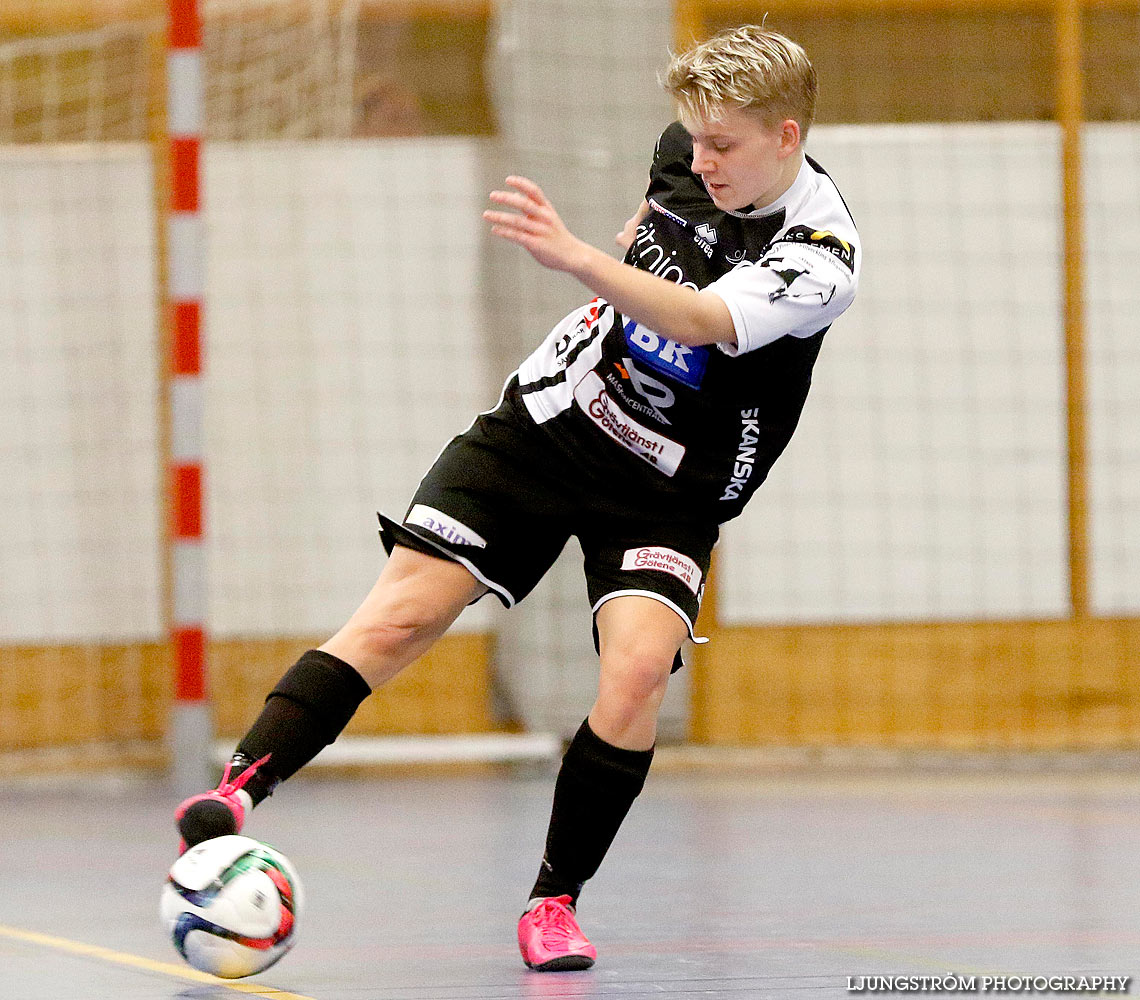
(799, 189)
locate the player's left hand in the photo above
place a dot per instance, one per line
(534, 225)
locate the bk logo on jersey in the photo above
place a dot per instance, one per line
(685, 364)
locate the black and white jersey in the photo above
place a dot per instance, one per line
(700, 427)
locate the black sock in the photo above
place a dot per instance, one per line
(595, 788)
(303, 714)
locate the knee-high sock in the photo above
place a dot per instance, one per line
(303, 714)
(595, 788)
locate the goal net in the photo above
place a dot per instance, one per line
(81, 622)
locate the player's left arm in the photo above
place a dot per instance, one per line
(681, 314)
(806, 279)
(628, 233)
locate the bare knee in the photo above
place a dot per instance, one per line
(639, 637)
(636, 676)
(630, 691)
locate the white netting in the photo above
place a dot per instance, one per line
(79, 482)
(273, 69)
(1112, 231)
(279, 69)
(81, 596)
(84, 87)
(356, 317)
(81, 602)
(927, 478)
(345, 348)
(79, 298)
(575, 89)
(343, 318)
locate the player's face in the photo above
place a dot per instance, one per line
(742, 160)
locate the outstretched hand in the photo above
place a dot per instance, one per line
(678, 313)
(534, 225)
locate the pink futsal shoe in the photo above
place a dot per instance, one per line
(551, 940)
(217, 813)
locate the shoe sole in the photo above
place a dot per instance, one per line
(564, 963)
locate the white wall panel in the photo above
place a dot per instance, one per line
(79, 480)
(346, 345)
(1112, 262)
(927, 478)
(344, 350)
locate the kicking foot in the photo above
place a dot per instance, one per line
(217, 813)
(551, 940)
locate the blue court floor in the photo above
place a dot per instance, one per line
(743, 886)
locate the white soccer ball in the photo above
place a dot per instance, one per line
(231, 906)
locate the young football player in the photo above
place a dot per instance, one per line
(646, 419)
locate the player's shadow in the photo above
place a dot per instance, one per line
(536, 985)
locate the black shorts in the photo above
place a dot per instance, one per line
(502, 500)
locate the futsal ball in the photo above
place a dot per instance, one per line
(231, 906)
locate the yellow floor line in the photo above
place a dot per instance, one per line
(138, 962)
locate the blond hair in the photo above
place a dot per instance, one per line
(749, 67)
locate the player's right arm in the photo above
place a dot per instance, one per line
(674, 311)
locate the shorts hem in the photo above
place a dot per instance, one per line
(657, 597)
(391, 535)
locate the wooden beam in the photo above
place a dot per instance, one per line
(1070, 117)
(757, 9)
(19, 17)
(51, 16)
(404, 10)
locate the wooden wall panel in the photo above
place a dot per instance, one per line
(446, 691)
(976, 685)
(77, 695)
(914, 64)
(1112, 64)
(62, 695)
(937, 60)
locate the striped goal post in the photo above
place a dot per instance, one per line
(191, 728)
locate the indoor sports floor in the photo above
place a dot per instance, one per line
(774, 885)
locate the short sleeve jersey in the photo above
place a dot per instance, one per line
(698, 428)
